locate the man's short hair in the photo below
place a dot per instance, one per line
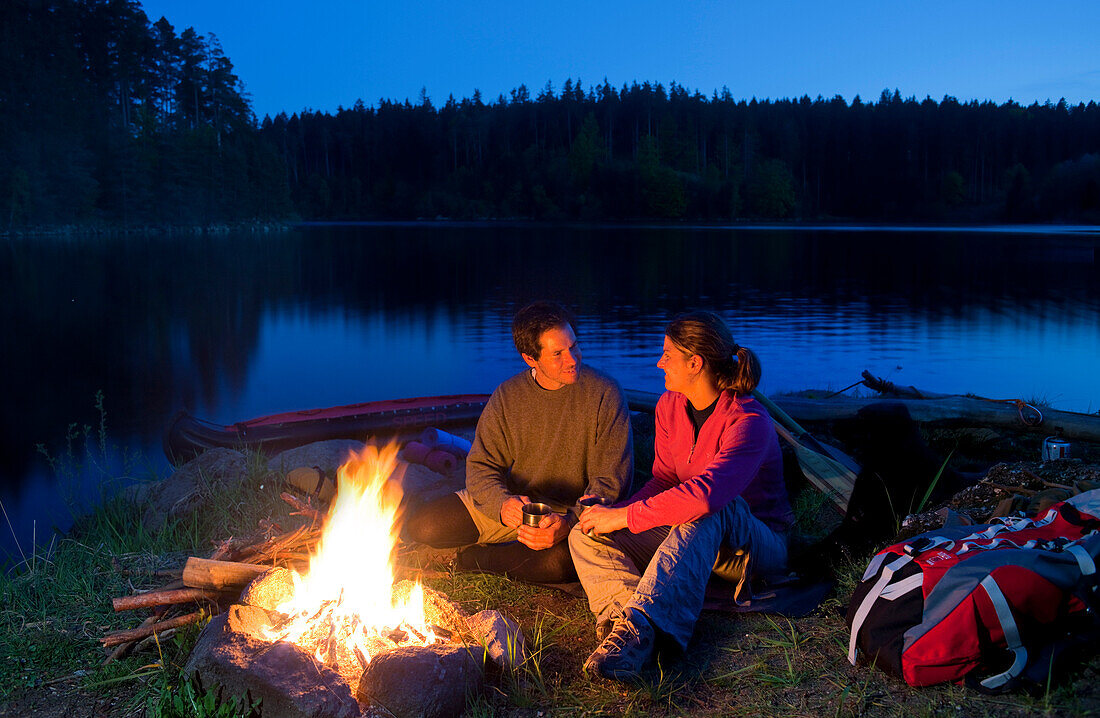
(530, 322)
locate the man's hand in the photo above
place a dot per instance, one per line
(603, 519)
(552, 530)
(511, 511)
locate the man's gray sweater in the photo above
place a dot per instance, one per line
(552, 446)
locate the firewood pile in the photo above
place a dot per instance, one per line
(212, 584)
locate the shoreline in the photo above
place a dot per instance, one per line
(214, 228)
(1066, 229)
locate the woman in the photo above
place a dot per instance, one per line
(717, 482)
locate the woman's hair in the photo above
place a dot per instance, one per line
(704, 333)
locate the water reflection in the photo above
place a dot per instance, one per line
(239, 326)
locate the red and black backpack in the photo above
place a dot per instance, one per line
(993, 604)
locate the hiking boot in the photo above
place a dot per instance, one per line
(626, 650)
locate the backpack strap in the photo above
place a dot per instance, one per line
(1011, 633)
(873, 595)
(1084, 558)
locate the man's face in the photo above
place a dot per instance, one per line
(559, 361)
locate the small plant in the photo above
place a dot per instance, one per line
(184, 701)
(526, 683)
(856, 691)
(932, 484)
(664, 687)
(87, 457)
(788, 640)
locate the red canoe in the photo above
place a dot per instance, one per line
(188, 436)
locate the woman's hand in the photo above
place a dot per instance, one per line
(603, 519)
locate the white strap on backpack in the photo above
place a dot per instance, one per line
(1011, 633)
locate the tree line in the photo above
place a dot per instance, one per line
(644, 151)
(106, 117)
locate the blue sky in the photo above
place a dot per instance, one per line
(329, 53)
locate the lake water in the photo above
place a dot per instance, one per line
(236, 326)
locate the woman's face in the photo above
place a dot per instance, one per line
(676, 367)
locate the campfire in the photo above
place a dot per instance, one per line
(341, 638)
(312, 621)
(344, 609)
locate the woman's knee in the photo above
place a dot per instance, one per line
(577, 539)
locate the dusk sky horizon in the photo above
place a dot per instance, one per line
(295, 56)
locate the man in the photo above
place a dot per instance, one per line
(552, 433)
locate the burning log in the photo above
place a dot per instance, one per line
(165, 598)
(220, 575)
(119, 637)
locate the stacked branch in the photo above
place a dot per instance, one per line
(214, 583)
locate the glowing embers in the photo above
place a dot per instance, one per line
(346, 608)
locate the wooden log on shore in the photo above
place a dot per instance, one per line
(122, 648)
(220, 575)
(166, 598)
(119, 637)
(949, 410)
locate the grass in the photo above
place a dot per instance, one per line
(56, 605)
(737, 665)
(56, 600)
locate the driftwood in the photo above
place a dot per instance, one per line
(220, 575)
(164, 597)
(119, 637)
(955, 409)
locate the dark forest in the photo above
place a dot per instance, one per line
(107, 119)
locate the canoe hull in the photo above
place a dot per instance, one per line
(188, 436)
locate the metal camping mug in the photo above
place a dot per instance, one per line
(594, 501)
(1055, 447)
(533, 513)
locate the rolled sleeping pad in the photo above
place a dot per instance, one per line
(441, 462)
(417, 452)
(439, 439)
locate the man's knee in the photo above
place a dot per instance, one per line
(443, 523)
(416, 527)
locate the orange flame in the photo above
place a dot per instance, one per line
(344, 607)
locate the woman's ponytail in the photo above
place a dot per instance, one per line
(706, 335)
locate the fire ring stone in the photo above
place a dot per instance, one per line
(429, 681)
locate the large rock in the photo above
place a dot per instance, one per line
(419, 484)
(423, 681)
(328, 455)
(410, 480)
(287, 681)
(501, 636)
(177, 496)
